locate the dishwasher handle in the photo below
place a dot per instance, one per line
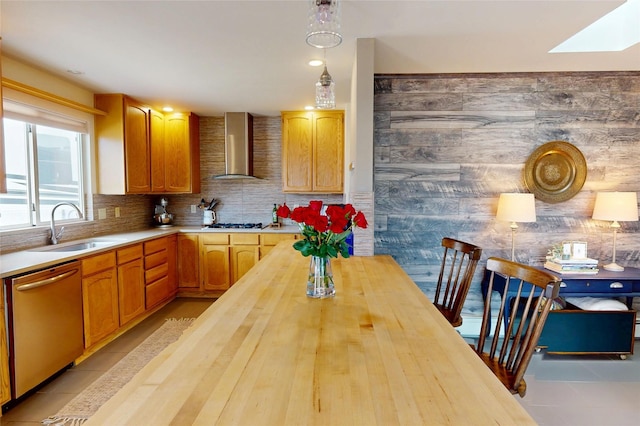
(47, 281)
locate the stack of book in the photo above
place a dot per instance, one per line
(572, 266)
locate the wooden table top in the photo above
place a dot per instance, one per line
(378, 353)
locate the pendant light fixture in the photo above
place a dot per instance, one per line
(323, 29)
(325, 90)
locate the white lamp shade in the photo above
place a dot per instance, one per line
(516, 207)
(616, 206)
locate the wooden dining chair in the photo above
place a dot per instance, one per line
(456, 272)
(509, 354)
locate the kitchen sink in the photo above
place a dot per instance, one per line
(77, 246)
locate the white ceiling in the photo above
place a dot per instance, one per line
(215, 56)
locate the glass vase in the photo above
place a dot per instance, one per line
(320, 279)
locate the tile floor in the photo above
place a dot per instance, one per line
(561, 390)
(583, 390)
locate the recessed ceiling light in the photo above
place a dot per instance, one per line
(316, 62)
(167, 109)
(75, 72)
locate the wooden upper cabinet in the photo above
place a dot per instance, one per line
(137, 155)
(297, 151)
(313, 151)
(157, 151)
(182, 153)
(123, 145)
(142, 151)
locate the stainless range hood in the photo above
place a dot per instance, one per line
(238, 146)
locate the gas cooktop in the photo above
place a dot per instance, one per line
(235, 225)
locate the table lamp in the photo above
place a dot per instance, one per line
(615, 206)
(516, 207)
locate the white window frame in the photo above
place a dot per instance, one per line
(30, 109)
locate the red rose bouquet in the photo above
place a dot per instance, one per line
(324, 234)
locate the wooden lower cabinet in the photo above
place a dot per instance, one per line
(215, 263)
(160, 270)
(188, 264)
(172, 264)
(243, 258)
(214, 267)
(244, 254)
(99, 297)
(131, 288)
(210, 263)
(269, 241)
(119, 286)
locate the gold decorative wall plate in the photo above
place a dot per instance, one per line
(555, 171)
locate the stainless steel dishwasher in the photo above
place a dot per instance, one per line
(45, 324)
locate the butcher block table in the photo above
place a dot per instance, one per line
(378, 353)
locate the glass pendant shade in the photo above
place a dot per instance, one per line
(323, 28)
(325, 91)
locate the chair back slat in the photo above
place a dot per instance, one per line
(511, 352)
(458, 266)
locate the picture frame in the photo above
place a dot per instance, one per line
(566, 250)
(578, 250)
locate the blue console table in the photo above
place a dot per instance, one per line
(575, 331)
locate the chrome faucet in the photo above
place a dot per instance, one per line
(54, 236)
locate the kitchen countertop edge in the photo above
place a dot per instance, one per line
(25, 261)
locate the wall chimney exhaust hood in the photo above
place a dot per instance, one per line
(238, 146)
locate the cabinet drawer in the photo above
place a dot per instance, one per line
(156, 273)
(596, 286)
(215, 239)
(155, 259)
(98, 263)
(155, 245)
(273, 239)
(157, 292)
(245, 239)
(127, 254)
(568, 331)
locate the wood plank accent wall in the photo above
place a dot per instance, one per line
(446, 146)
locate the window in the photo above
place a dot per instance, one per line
(44, 167)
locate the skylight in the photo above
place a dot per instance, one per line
(614, 32)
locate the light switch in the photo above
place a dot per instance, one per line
(102, 214)
(117, 212)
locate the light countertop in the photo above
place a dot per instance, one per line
(29, 260)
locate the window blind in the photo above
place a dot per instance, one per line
(24, 107)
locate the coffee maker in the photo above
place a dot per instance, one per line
(161, 217)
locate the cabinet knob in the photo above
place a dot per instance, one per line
(616, 285)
